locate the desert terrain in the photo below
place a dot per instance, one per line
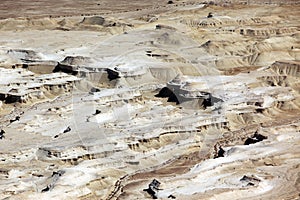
(139, 99)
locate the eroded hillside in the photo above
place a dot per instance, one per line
(203, 97)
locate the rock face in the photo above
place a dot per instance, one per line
(97, 20)
(74, 65)
(182, 92)
(101, 103)
(291, 68)
(24, 86)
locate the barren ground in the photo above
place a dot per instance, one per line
(98, 98)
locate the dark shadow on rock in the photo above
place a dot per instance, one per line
(255, 138)
(2, 132)
(97, 112)
(153, 188)
(64, 68)
(220, 153)
(167, 93)
(182, 96)
(210, 15)
(112, 75)
(16, 119)
(250, 180)
(68, 129)
(164, 92)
